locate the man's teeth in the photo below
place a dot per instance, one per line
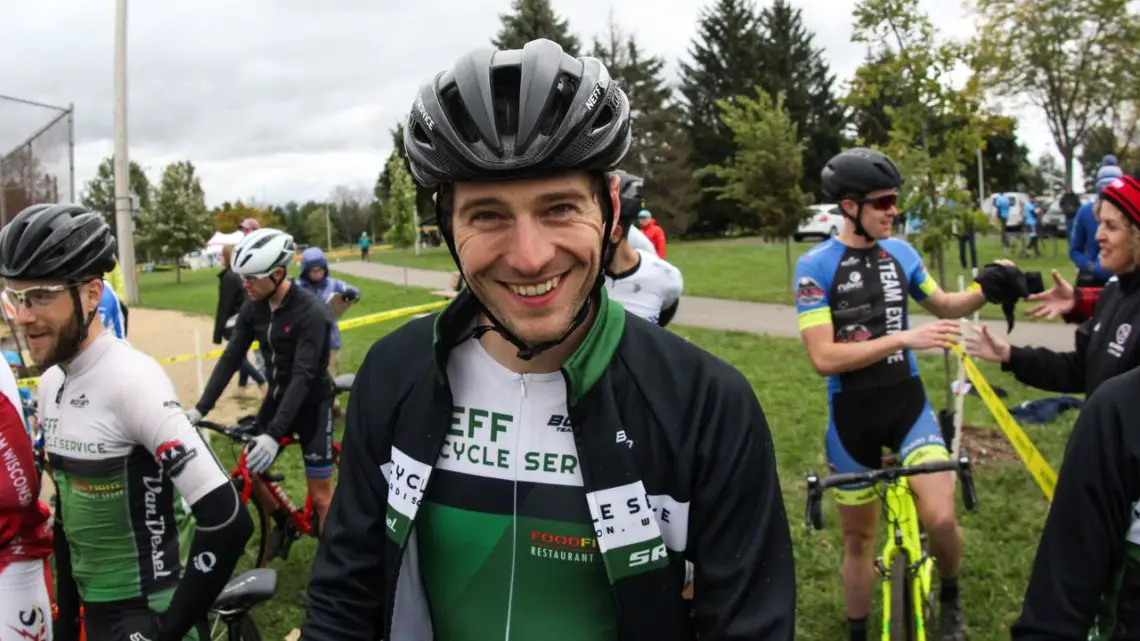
(535, 290)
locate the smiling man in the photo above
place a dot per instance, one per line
(534, 462)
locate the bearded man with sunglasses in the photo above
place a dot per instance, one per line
(119, 448)
(292, 328)
(851, 298)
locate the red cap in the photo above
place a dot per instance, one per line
(1124, 192)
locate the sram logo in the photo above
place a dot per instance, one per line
(647, 556)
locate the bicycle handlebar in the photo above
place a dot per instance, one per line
(813, 513)
(236, 433)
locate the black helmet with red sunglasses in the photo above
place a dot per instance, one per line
(855, 173)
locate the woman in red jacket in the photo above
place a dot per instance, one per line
(25, 530)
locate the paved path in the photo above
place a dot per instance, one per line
(716, 313)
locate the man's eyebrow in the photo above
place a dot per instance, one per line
(485, 201)
(569, 194)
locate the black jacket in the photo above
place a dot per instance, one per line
(1106, 345)
(295, 341)
(231, 295)
(702, 443)
(1088, 559)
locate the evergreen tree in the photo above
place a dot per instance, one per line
(793, 66)
(176, 220)
(533, 19)
(725, 61)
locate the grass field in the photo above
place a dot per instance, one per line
(751, 270)
(1000, 538)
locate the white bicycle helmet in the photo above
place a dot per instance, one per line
(263, 251)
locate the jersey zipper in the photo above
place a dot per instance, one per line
(272, 354)
(515, 505)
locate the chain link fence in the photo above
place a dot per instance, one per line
(38, 165)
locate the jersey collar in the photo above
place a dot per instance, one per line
(582, 369)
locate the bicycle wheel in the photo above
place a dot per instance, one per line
(902, 606)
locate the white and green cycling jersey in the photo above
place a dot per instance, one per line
(123, 457)
(505, 520)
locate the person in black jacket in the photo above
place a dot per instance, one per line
(1086, 575)
(292, 326)
(534, 462)
(230, 298)
(1105, 344)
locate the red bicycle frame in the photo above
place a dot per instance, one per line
(301, 519)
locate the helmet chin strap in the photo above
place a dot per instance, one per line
(66, 354)
(860, 230)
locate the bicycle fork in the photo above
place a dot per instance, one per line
(905, 536)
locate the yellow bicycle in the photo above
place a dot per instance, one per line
(905, 565)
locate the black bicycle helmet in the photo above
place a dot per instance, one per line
(518, 113)
(855, 173)
(56, 241)
(64, 242)
(630, 194)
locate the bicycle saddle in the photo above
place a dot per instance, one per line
(343, 383)
(247, 590)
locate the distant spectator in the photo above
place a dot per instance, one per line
(249, 225)
(1001, 204)
(652, 231)
(231, 296)
(1083, 248)
(1069, 204)
(1031, 223)
(966, 236)
(365, 245)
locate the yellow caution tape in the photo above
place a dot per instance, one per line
(1040, 469)
(352, 323)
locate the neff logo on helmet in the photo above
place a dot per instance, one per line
(424, 114)
(597, 92)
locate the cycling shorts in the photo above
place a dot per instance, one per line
(313, 429)
(25, 601)
(862, 423)
(135, 619)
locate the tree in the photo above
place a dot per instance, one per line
(660, 150)
(1005, 161)
(99, 192)
(1042, 175)
(763, 175)
(1070, 60)
(725, 61)
(936, 127)
(400, 208)
(533, 19)
(228, 217)
(24, 182)
(352, 207)
(791, 64)
(320, 226)
(425, 206)
(176, 220)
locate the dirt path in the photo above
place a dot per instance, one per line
(163, 333)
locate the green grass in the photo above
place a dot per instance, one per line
(751, 270)
(1000, 538)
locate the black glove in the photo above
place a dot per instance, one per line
(1003, 285)
(350, 295)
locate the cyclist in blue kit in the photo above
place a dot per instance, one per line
(851, 299)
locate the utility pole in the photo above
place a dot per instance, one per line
(123, 219)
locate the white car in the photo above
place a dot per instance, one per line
(825, 221)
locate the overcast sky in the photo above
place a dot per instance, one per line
(285, 99)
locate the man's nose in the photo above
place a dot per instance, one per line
(531, 249)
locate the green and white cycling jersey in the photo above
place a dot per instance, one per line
(505, 529)
(123, 456)
(650, 287)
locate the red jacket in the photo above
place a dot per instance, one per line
(25, 532)
(656, 235)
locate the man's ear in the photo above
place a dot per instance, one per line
(616, 233)
(94, 293)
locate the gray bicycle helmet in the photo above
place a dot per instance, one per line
(56, 241)
(630, 194)
(514, 114)
(518, 113)
(855, 173)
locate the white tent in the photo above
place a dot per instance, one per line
(214, 245)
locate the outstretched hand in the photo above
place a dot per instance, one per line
(1056, 301)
